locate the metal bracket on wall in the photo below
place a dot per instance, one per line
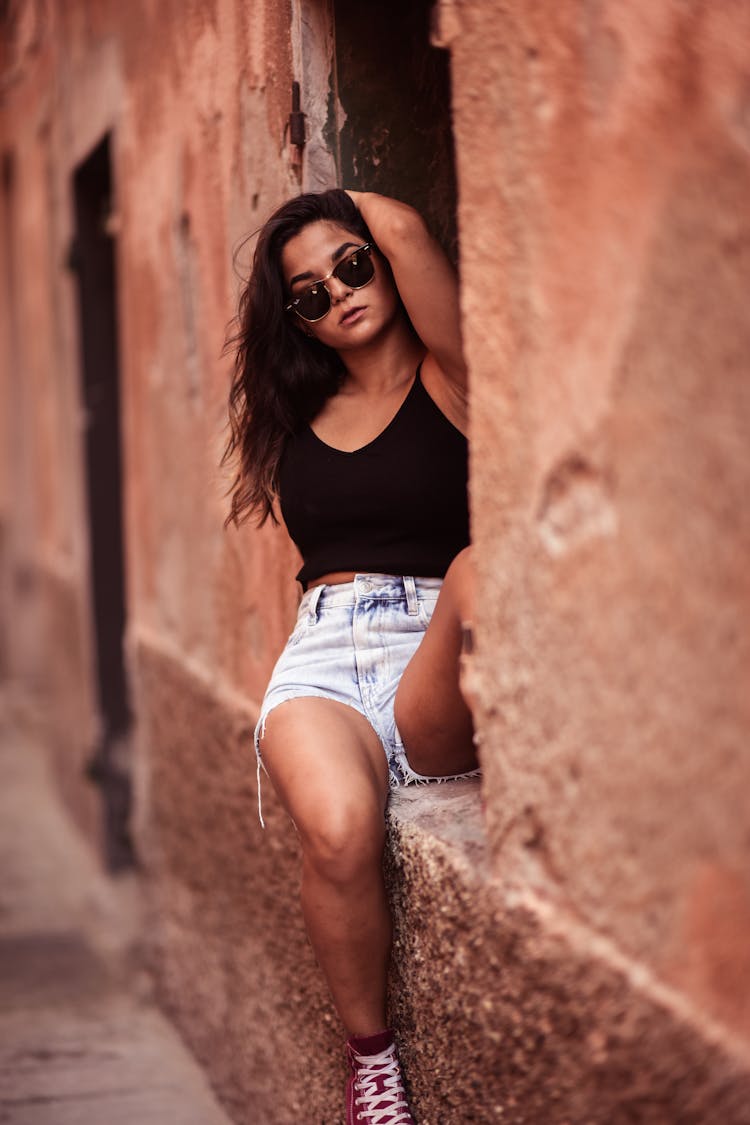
(296, 119)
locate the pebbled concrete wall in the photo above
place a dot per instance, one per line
(512, 1009)
(574, 948)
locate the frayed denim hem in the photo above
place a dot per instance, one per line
(402, 773)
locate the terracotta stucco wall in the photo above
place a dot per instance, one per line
(579, 952)
(201, 158)
(43, 557)
(605, 240)
(198, 156)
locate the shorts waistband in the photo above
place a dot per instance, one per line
(367, 586)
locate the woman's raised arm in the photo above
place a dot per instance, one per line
(425, 278)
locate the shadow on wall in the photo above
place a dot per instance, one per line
(384, 63)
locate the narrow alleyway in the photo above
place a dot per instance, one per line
(80, 1042)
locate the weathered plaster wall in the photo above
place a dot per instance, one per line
(604, 174)
(202, 159)
(196, 98)
(43, 558)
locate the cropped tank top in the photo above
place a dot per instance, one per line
(397, 505)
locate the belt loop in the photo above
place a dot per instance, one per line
(312, 609)
(410, 589)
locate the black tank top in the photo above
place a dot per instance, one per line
(398, 505)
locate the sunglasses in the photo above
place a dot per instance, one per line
(355, 271)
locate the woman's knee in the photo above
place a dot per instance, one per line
(463, 561)
(343, 842)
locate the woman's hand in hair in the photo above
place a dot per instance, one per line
(426, 282)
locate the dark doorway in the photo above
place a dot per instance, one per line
(395, 91)
(93, 260)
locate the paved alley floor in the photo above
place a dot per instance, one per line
(80, 1042)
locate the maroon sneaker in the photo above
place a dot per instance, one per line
(375, 1092)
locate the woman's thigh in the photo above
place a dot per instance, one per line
(329, 771)
(433, 719)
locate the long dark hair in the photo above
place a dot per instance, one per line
(281, 377)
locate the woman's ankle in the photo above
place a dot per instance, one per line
(371, 1044)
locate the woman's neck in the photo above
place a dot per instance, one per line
(384, 364)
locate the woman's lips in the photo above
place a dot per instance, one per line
(352, 316)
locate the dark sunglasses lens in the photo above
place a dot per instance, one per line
(314, 303)
(356, 270)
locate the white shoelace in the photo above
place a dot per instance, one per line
(378, 1080)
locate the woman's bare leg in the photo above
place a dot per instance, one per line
(329, 770)
(431, 712)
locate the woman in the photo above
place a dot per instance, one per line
(348, 406)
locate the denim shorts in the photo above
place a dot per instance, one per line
(351, 643)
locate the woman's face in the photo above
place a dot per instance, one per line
(356, 316)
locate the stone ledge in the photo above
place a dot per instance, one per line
(511, 1011)
(449, 811)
